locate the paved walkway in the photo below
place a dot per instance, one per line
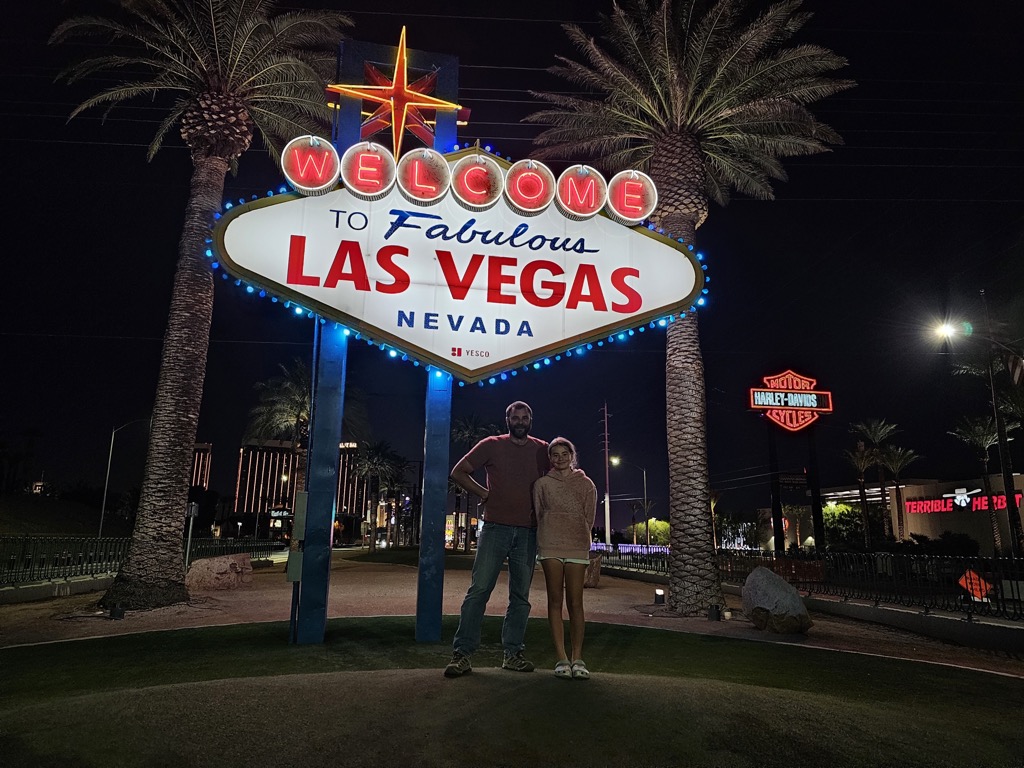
(373, 589)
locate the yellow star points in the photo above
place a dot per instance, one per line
(400, 101)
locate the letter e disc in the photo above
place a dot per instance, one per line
(368, 170)
(632, 197)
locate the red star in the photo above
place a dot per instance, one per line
(400, 102)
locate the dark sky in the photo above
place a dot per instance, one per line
(838, 278)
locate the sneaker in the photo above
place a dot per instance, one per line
(458, 666)
(517, 663)
(580, 671)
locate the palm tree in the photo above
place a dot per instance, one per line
(875, 432)
(466, 432)
(1011, 403)
(980, 434)
(862, 459)
(283, 413)
(382, 467)
(704, 102)
(896, 459)
(223, 70)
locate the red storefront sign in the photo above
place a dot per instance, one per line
(958, 503)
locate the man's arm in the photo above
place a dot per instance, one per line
(461, 475)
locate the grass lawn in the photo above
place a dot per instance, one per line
(371, 696)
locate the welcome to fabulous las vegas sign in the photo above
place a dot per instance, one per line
(462, 261)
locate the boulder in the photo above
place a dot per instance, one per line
(224, 572)
(772, 603)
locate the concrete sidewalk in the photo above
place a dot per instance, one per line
(360, 588)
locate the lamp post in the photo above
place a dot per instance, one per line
(947, 330)
(615, 461)
(106, 482)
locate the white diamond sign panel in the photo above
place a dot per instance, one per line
(472, 292)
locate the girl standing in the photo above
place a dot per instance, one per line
(565, 501)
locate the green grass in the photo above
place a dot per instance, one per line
(707, 700)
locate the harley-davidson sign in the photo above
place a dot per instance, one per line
(790, 400)
(472, 290)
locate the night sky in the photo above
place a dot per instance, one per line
(839, 278)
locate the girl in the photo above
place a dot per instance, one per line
(565, 500)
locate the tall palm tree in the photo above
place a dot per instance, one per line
(224, 71)
(862, 459)
(896, 459)
(466, 432)
(706, 98)
(980, 434)
(875, 432)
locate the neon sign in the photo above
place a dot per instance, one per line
(476, 181)
(468, 281)
(958, 503)
(790, 400)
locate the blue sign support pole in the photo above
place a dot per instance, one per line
(330, 349)
(430, 579)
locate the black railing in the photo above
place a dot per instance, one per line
(982, 586)
(25, 559)
(40, 558)
(974, 586)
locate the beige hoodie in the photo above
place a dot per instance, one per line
(565, 507)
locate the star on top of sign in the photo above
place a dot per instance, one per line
(400, 101)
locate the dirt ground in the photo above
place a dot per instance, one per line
(373, 589)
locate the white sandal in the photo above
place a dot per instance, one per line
(580, 671)
(563, 669)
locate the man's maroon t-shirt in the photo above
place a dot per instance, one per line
(511, 472)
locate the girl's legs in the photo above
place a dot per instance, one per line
(575, 573)
(553, 577)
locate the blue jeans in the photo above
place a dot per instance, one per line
(496, 543)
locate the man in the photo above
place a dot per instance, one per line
(512, 464)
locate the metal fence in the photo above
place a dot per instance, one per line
(26, 559)
(974, 586)
(40, 558)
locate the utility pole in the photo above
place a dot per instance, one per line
(607, 478)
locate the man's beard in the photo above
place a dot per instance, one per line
(519, 431)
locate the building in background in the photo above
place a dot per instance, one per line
(201, 462)
(265, 488)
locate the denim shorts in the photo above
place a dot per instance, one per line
(564, 560)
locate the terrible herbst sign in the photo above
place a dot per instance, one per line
(790, 400)
(474, 265)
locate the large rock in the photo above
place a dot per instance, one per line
(772, 603)
(224, 572)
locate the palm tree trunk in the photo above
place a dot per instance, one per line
(153, 574)
(887, 515)
(997, 539)
(694, 582)
(899, 508)
(864, 513)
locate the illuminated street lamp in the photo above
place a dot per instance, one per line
(106, 483)
(615, 461)
(949, 330)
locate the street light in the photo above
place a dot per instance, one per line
(616, 460)
(106, 483)
(948, 331)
